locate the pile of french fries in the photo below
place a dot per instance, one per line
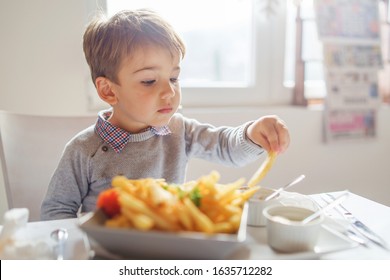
(203, 205)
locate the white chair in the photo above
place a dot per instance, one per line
(30, 148)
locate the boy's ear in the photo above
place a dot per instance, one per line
(105, 90)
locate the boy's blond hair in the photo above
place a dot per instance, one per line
(108, 41)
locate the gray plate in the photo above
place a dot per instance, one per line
(136, 244)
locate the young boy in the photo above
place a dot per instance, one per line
(134, 58)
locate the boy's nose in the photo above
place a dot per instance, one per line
(168, 91)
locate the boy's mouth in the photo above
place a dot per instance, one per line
(166, 110)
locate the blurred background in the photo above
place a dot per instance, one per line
(241, 64)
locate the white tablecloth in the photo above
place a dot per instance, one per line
(374, 215)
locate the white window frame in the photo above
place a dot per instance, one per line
(267, 81)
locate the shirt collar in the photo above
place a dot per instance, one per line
(117, 137)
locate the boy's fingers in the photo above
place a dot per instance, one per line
(283, 137)
(271, 133)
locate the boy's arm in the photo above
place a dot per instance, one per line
(67, 187)
(226, 145)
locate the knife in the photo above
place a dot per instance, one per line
(361, 227)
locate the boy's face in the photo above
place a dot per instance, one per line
(148, 93)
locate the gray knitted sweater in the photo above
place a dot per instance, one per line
(88, 164)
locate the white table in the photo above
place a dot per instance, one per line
(374, 215)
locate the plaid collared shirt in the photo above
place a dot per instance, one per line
(117, 137)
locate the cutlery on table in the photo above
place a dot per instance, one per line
(349, 234)
(342, 232)
(331, 204)
(360, 226)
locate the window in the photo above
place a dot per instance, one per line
(234, 51)
(218, 34)
(305, 58)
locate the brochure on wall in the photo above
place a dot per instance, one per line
(352, 56)
(350, 124)
(352, 89)
(352, 20)
(350, 33)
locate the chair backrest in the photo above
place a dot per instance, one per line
(31, 147)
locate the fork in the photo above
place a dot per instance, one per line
(348, 232)
(360, 228)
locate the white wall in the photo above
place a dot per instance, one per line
(43, 71)
(42, 67)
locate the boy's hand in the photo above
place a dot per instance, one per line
(270, 132)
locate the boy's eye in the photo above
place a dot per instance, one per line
(174, 80)
(148, 82)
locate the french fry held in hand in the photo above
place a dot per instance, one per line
(263, 170)
(152, 204)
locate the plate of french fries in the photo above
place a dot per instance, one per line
(149, 218)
